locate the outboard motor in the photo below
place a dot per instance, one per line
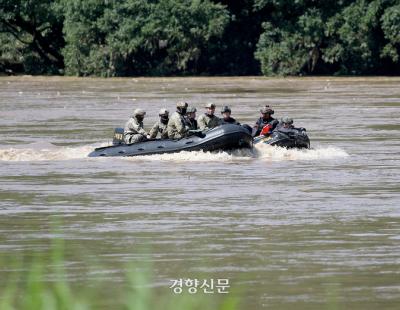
(118, 137)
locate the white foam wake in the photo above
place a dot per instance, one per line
(198, 156)
(50, 152)
(261, 151)
(274, 153)
(42, 154)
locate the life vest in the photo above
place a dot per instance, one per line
(267, 129)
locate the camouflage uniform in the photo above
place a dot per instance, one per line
(177, 127)
(206, 121)
(159, 127)
(191, 123)
(133, 131)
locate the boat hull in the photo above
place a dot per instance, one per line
(297, 140)
(225, 137)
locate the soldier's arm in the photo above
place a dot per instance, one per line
(153, 131)
(256, 129)
(169, 128)
(256, 125)
(139, 129)
(274, 123)
(126, 128)
(201, 122)
(180, 125)
(164, 134)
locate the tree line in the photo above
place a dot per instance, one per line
(200, 37)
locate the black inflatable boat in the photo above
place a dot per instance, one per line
(291, 138)
(224, 137)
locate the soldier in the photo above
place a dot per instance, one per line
(177, 127)
(208, 120)
(191, 118)
(226, 116)
(286, 126)
(265, 119)
(287, 122)
(160, 126)
(133, 131)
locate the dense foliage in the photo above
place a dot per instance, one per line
(31, 36)
(342, 37)
(191, 37)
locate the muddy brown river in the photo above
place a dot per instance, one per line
(288, 228)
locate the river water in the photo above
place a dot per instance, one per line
(307, 228)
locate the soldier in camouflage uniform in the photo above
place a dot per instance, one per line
(133, 131)
(160, 126)
(208, 120)
(177, 127)
(191, 118)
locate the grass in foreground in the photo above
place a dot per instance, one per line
(38, 293)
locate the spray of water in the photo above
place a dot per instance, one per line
(260, 152)
(273, 153)
(199, 156)
(36, 152)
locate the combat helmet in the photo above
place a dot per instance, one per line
(267, 110)
(191, 110)
(287, 120)
(181, 104)
(226, 109)
(139, 112)
(163, 112)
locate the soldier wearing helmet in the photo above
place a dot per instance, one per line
(226, 116)
(177, 127)
(208, 120)
(161, 125)
(286, 126)
(191, 118)
(287, 122)
(133, 131)
(264, 120)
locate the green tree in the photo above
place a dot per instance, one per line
(32, 29)
(180, 37)
(391, 29)
(356, 31)
(340, 37)
(139, 37)
(294, 35)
